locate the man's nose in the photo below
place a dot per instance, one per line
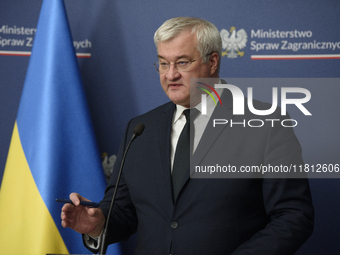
(173, 73)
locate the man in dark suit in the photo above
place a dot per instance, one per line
(204, 215)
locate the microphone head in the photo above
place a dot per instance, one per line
(138, 130)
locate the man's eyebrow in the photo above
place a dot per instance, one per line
(179, 57)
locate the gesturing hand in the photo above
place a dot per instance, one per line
(84, 220)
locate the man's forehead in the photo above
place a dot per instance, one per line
(184, 38)
(186, 34)
(182, 46)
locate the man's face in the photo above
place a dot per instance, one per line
(177, 84)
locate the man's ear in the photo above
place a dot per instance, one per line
(213, 61)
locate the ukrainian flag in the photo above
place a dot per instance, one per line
(53, 151)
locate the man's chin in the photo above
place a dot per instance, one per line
(187, 102)
(183, 103)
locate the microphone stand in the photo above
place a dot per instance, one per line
(138, 130)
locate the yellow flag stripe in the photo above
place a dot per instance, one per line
(26, 224)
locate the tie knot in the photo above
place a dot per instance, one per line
(190, 113)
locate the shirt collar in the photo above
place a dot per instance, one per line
(178, 113)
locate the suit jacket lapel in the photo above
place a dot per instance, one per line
(212, 133)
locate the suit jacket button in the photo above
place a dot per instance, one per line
(174, 225)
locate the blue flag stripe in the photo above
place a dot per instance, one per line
(54, 122)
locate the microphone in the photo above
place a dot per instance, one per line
(137, 131)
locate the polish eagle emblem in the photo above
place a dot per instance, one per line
(233, 42)
(108, 164)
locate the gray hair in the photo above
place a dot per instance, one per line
(208, 36)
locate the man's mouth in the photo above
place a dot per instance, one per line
(175, 85)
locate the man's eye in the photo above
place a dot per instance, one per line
(163, 64)
(182, 63)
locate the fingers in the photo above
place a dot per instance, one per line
(66, 219)
(75, 198)
(95, 212)
(92, 212)
(69, 212)
(82, 219)
(64, 222)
